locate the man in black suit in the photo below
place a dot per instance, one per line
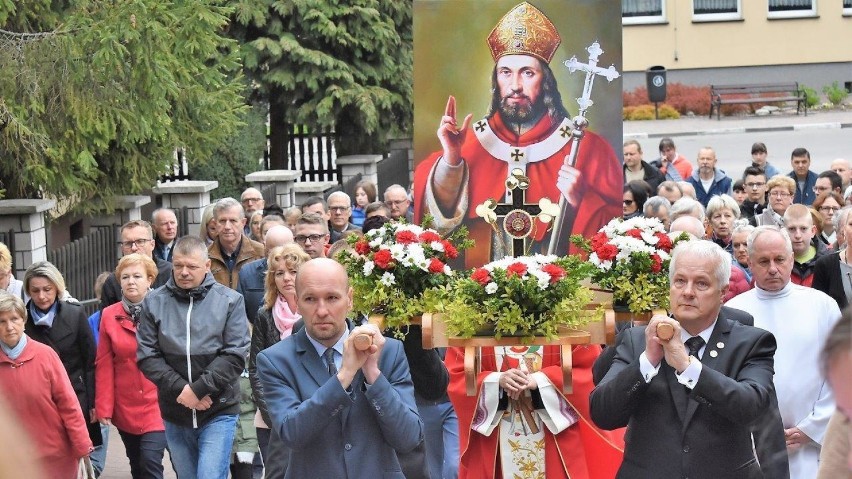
(690, 401)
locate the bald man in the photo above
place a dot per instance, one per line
(844, 169)
(251, 277)
(252, 201)
(343, 412)
(688, 224)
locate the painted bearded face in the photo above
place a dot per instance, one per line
(519, 83)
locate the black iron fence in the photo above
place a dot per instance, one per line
(82, 260)
(311, 150)
(8, 239)
(393, 170)
(179, 169)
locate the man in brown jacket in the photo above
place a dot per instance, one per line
(232, 248)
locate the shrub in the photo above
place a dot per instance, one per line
(641, 112)
(811, 97)
(835, 93)
(682, 98)
(667, 112)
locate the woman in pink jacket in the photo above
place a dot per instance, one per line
(124, 397)
(36, 387)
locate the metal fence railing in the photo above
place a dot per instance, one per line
(8, 239)
(393, 170)
(82, 260)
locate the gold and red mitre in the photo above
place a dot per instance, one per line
(525, 30)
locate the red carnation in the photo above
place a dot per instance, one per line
(599, 239)
(516, 269)
(450, 250)
(607, 252)
(429, 236)
(481, 276)
(436, 266)
(635, 233)
(664, 242)
(556, 272)
(656, 263)
(362, 247)
(382, 258)
(406, 237)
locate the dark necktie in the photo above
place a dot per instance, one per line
(328, 356)
(694, 344)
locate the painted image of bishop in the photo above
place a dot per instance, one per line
(528, 128)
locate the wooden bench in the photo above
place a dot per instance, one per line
(756, 93)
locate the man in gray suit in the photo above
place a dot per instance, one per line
(343, 412)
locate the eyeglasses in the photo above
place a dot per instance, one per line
(252, 200)
(139, 243)
(820, 189)
(755, 186)
(396, 202)
(338, 209)
(312, 238)
(628, 202)
(779, 194)
(826, 209)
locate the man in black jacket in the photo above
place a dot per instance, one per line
(635, 168)
(690, 401)
(754, 181)
(193, 342)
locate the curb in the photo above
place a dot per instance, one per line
(723, 131)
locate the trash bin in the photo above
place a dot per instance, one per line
(655, 79)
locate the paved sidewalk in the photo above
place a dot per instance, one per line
(703, 125)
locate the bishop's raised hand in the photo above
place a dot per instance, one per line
(450, 135)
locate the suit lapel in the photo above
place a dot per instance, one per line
(712, 355)
(677, 389)
(356, 386)
(310, 359)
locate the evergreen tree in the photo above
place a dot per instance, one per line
(96, 95)
(346, 65)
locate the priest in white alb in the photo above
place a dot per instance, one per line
(801, 319)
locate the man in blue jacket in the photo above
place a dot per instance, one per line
(708, 180)
(343, 412)
(805, 179)
(251, 283)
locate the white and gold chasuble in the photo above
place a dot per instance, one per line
(521, 427)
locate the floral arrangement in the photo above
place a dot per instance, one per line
(631, 257)
(391, 267)
(526, 296)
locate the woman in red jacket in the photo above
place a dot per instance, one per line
(124, 397)
(36, 387)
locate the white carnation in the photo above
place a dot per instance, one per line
(368, 267)
(387, 279)
(491, 288)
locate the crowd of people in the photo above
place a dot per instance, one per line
(233, 350)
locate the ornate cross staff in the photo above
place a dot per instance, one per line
(580, 123)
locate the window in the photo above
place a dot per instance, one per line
(792, 8)
(847, 7)
(716, 10)
(637, 12)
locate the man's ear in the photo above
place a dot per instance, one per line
(724, 291)
(207, 265)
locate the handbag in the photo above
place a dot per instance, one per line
(85, 469)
